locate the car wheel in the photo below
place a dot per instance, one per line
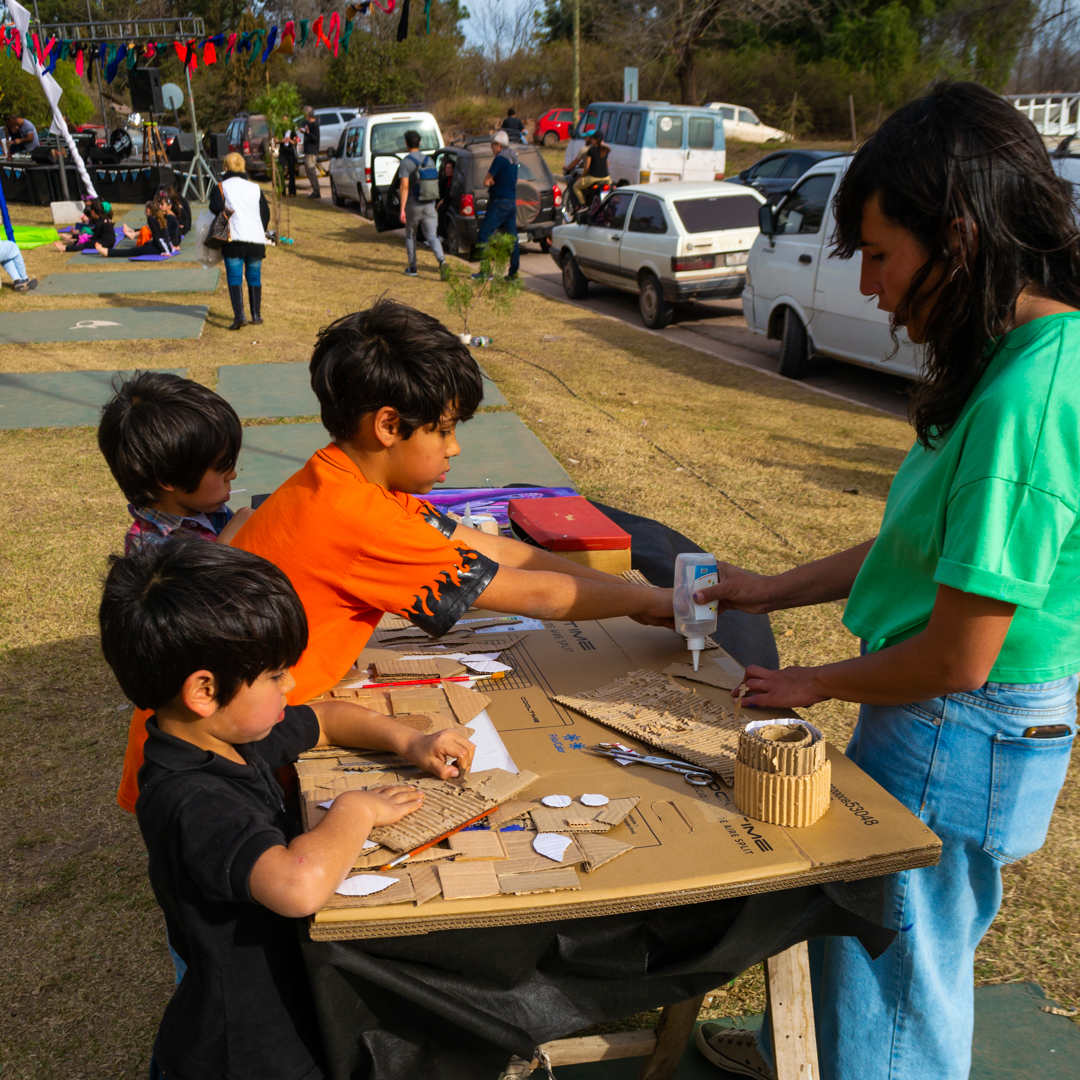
(335, 198)
(545, 244)
(575, 284)
(452, 244)
(794, 346)
(551, 138)
(362, 203)
(656, 312)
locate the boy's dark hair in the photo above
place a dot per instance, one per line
(412, 140)
(184, 605)
(392, 354)
(511, 112)
(160, 429)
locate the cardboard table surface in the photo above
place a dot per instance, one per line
(682, 853)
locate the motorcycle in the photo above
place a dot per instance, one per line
(573, 211)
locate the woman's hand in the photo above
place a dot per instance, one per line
(659, 612)
(738, 589)
(788, 688)
(433, 753)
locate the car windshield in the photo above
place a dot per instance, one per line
(389, 138)
(713, 213)
(259, 127)
(530, 167)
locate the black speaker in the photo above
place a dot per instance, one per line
(217, 145)
(145, 87)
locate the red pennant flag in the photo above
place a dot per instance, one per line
(335, 31)
(149, 50)
(209, 53)
(79, 63)
(181, 52)
(316, 31)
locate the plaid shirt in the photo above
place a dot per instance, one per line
(154, 526)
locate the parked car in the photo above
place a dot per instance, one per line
(742, 123)
(775, 174)
(652, 141)
(332, 123)
(250, 136)
(668, 244)
(377, 132)
(538, 197)
(809, 302)
(553, 127)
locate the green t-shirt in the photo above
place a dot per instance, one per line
(992, 510)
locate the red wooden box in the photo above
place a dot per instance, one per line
(571, 526)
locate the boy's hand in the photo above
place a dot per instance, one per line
(385, 805)
(236, 523)
(660, 610)
(434, 752)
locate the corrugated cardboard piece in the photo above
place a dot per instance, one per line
(682, 844)
(782, 775)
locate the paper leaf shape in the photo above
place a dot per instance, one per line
(551, 845)
(594, 800)
(557, 800)
(365, 885)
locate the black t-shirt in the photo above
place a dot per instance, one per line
(513, 123)
(243, 1010)
(598, 165)
(310, 130)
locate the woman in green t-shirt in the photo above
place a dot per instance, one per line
(968, 600)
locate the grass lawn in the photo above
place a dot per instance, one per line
(752, 468)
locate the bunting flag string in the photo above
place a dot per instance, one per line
(333, 32)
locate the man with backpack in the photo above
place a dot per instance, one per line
(419, 194)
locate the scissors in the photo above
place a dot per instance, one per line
(624, 755)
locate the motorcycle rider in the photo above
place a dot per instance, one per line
(596, 171)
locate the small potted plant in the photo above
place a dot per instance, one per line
(463, 290)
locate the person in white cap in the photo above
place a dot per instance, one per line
(501, 214)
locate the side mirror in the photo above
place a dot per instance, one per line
(766, 217)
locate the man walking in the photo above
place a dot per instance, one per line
(419, 194)
(310, 131)
(514, 126)
(501, 182)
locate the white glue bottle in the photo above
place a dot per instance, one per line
(694, 570)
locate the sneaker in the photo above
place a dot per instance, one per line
(732, 1049)
(314, 195)
(25, 285)
(410, 271)
(444, 270)
(480, 277)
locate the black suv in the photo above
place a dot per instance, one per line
(462, 167)
(250, 136)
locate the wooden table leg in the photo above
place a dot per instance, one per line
(676, 1023)
(791, 1009)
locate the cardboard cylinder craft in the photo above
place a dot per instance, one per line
(782, 775)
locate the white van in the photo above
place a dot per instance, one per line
(809, 302)
(652, 141)
(381, 131)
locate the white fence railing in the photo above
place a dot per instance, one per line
(1052, 114)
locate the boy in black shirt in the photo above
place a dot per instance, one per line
(205, 634)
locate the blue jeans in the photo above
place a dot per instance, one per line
(12, 261)
(962, 765)
(234, 271)
(501, 214)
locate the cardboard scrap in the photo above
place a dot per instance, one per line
(431, 667)
(579, 818)
(399, 893)
(657, 711)
(476, 844)
(466, 704)
(600, 850)
(617, 810)
(540, 881)
(465, 881)
(709, 673)
(509, 811)
(425, 883)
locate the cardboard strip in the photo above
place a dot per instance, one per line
(431, 667)
(542, 881)
(786, 749)
(425, 883)
(791, 801)
(466, 881)
(475, 844)
(600, 850)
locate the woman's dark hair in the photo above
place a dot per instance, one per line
(97, 208)
(185, 605)
(392, 354)
(964, 156)
(160, 429)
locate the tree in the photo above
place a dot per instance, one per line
(280, 104)
(21, 93)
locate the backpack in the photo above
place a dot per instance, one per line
(427, 190)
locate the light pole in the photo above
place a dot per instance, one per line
(577, 62)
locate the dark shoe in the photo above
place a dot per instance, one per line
(480, 277)
(732, 1049)
(444, 271)
(255, 297)
(25, 285)
(512, 277)
(410, 271)
(236, 295)
(314, 195)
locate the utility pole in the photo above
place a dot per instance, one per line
(100, 84)
(577, 62)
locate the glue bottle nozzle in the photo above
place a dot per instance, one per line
(697, 657)
(695, 644)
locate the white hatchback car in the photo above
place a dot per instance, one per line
(742, 123)
(809, 301)
(668, 243)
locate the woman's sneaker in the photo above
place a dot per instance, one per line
(732, 1049)
(25, 285)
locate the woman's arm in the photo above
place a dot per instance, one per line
(955, 653)
(217, 201)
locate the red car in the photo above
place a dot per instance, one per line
(554, 126)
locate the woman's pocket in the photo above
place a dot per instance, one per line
(1027, 776)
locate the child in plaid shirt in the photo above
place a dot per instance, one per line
(172, 446)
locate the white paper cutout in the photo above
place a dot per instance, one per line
(365, 884)
(551, 845)
(594, 800)
(556, 800)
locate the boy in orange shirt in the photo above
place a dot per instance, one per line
(356, 542)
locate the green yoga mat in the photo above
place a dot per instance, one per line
(497, 449)
(49, 399)
(151, 278)
(29, 237)
(164, 321)
(267, 390)
(186, 255)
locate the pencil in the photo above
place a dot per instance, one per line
(431, 843)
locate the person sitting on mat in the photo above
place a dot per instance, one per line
(249, 217)
(96, 228)
(156, 241)
(204, 635)
(179, 206)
